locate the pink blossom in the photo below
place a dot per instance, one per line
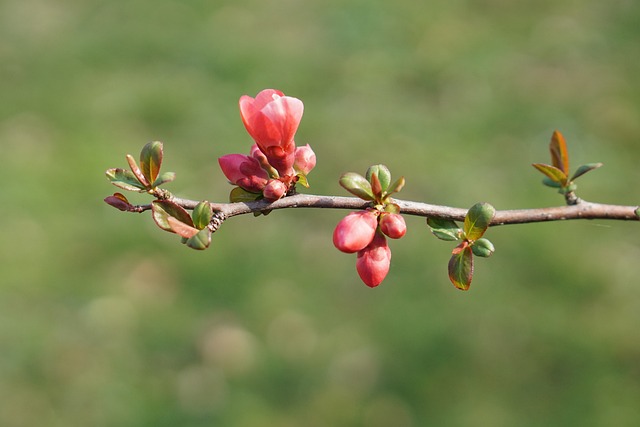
(271, 118)
(393, 225)
(355, 231)
(244, 171)
(305, 159)
(274, 190)
(373, 262)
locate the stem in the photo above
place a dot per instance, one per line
(580, 210)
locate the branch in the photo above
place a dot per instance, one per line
(581, 210)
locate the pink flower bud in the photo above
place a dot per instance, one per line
(355, 231)
(271, 118)
(305, 159)
(393, 225)
(373, 262)
(274, 190)
(244, 171)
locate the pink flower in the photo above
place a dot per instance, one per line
(274, 190)
(244, 171)
(393, 225)
(305, 159)
(355, 231)
(271, 118)
(373, 262)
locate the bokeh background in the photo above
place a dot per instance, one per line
(105, 320)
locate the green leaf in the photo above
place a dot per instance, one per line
(552, 172)
(202, 214)
(550, 183)
(125, 179)
(151, 160)
(200, 241)
(584, 169)
(163, 178)
(163, 210)
(357, 185)
(392, 208)
(383, 174)
(559, 153)
(302, 180)
(477, 220)
(638, 213)
(239, 194)
(483, 248)
(396, 186)
(461, 266)
(444, 229)
(136, 171)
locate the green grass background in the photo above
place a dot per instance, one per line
(105, 320)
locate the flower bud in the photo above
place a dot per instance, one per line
(244, 171)
(305, 159)
(274, 190)
(373, 262)
(393, 225)
(355, 231)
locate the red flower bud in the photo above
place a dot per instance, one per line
(373, 262)
(271, 118)
(305, 159)
(355, 231)
(393, 225)
(274, 190)
(244, 171)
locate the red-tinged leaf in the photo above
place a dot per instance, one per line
(199, 241)
(477, 220)
(119, 201)
(553, 173)
(124, 179)
(584, 169)
(162, 210)
(151, 160)
(461, 266)
(136, 171)
(396, 186)
(559, 153)
(180, 228)
(376, 187)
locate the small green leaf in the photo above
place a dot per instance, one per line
(550, 183)
(444, 229)
(483, 248)
(383, 174)
(200, 241)
(392, 208)
(357, 185)
(124, 179)
(584, 169)
(239, 194)
(302, 180)
(162, 210)
(638, 213)
(151, 160)
(477, 220)
(559, 153)
(461, 266)
(136, 171)
(163, 178)
(201, 215)
(396, 186)
(552, 172)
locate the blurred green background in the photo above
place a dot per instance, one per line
(105, 320)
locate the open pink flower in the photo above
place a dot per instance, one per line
(244, 171)
(373, 262)
(271, 118)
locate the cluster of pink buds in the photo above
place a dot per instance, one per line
(274, 164)
(365, 232)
